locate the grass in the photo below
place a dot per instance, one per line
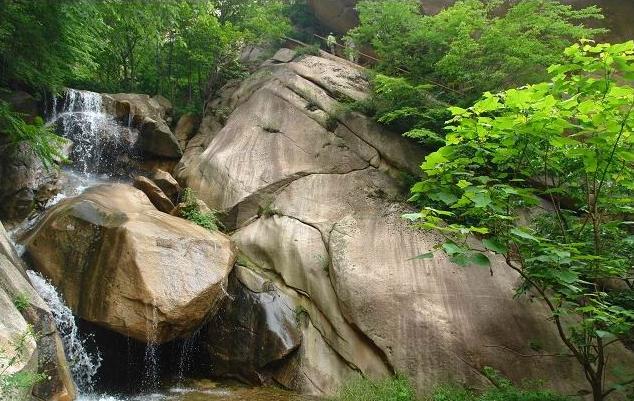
(191, 211)
(22, 302)
(393, 389)
(398, 388)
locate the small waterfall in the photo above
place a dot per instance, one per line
(151, 358)
(83, 365)
(101, 145)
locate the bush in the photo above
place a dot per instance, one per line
(469, 47)
(40, 137)
(21, 302)
(311, 50)
(393, 389)
(191, 211)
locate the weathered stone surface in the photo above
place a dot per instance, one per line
(156, 138)
(284, 125)
(156, 195)
(284, 55)
(150, 276)
(25, 183)
(167, 183)
(13, 328)
(318, 213)
(50, 353)
(186, 129)
(141, 106)
(255, 328)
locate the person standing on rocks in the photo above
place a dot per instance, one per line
(331, 41)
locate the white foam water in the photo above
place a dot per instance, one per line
(83, 364)
(100, 144)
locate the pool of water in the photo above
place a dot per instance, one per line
(207, 391)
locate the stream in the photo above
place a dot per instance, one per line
(103, 152)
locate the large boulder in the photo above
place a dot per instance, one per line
(48, 355)
(311, 194)
(124, 265)
(151, 116)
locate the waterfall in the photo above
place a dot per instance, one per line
(151, 358)
(100, 144)
(83, 364)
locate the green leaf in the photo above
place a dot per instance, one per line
(428, 255)
(451, 249)
(480, 259)
(495, 246)
(523, 234)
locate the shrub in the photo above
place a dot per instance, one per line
(21, 302)
(191, 211)
(392, 389)
(40, 137)
(310, 50)
(12, 383)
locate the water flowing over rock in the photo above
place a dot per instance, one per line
(44, 351)
(84, 365)
(126, 266)
(310, 193)
(100, 144)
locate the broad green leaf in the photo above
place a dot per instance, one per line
(451, 249)
(495, 246)
(428, 255)
(480, 259)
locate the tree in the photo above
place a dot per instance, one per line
(45, 44)
(468, 47)
(570, 142)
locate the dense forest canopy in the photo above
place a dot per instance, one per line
(182, 49)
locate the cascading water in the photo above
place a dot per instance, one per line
(83, 364)
(100, 144)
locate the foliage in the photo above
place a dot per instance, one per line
(391, 389)
(569, 141)
(11, 382)
(21, 302)
(45, 44)
(183, 49)
(310, 50)
(468, 46)
(39, 137)
(406, 107)
(191, 211)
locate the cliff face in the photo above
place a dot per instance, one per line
(313, 207)
(340, 16)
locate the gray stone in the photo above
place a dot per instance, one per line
(284, 55)
(252, 331)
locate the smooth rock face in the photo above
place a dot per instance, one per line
(49, 354)
(255, 328)
(167, 183)
(318, 214)
(186, 128)
(124, 265)
(156, 195)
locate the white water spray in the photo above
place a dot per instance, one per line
(83, 365)
(100, 144)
